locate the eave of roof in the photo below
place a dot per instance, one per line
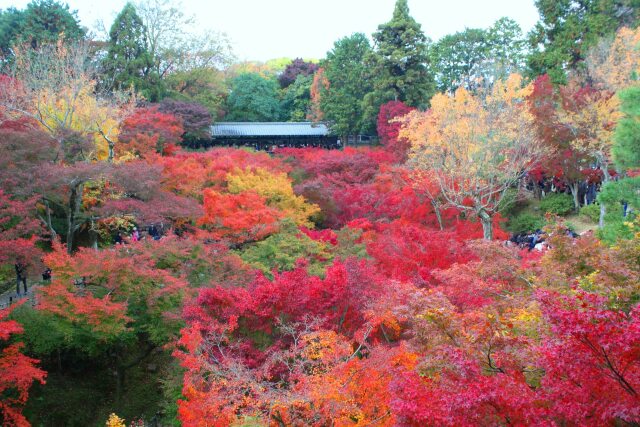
(284, 129)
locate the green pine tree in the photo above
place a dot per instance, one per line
(622, 197)
(42, 22)
(626, 147)
(128, 62)
(400, 65)
(347, 74)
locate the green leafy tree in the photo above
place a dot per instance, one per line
(253, 98)
(458, 58)
(399, 66)
(467, 57)
(202, 85)
(346, 73)
(188, 62)
(11, 21)
(297, 99)
(42, 22)
(128, 62)
(568, 28)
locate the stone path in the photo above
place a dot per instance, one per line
(10, 296)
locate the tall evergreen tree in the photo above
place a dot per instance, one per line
(11, 21)
(568, 28)
(400, 63)
(347, 75)
(43, 21)
(626, 147)
(128, 62)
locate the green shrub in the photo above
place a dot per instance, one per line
(557, 204)
(616, 226)
(525, 223)
(509, 203)
(591, 212)
(281, 251)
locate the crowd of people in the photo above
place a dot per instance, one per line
(153, 231)
(536, 240)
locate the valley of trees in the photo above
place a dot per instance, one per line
(480, 265)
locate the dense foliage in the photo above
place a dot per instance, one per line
(376, 285)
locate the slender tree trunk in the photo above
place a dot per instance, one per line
(112, 152)
(537, 191)
(436, 210)
(47, 220)
(605, 179)
(119, 384)
(487, 224)
(94, 235)
(75, 202)
(574, 187)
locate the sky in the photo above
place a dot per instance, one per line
(266, 29)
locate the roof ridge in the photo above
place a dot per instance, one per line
(268, 123)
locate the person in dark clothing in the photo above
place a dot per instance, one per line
(46, 275)
(21, 275)
(535, 239)
(154, 232)
(118, 238)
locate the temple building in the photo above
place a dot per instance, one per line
(271, 135)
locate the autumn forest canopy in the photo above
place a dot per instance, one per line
(477, 264)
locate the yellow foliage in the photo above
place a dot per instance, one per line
(526, 320)
(83, 113)
(592, 121)
(115, 421)
(474, 144)
(616, 64)
(276, 189)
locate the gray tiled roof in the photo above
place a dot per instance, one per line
(228, 129)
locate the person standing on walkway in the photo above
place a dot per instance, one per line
(21, 275)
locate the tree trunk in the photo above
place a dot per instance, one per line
(436, 210)
(574, 187)
(120, 373)
(487, 224)
(48, 220)
(537, 191)
(112, 151)
(94, 235)
(605, 179)
(75, 202)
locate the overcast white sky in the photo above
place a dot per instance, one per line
(265, 29)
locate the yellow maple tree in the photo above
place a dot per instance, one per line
(475, 145)
(591, 117)
(276, 189)
(615, 63)
(55, 87)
